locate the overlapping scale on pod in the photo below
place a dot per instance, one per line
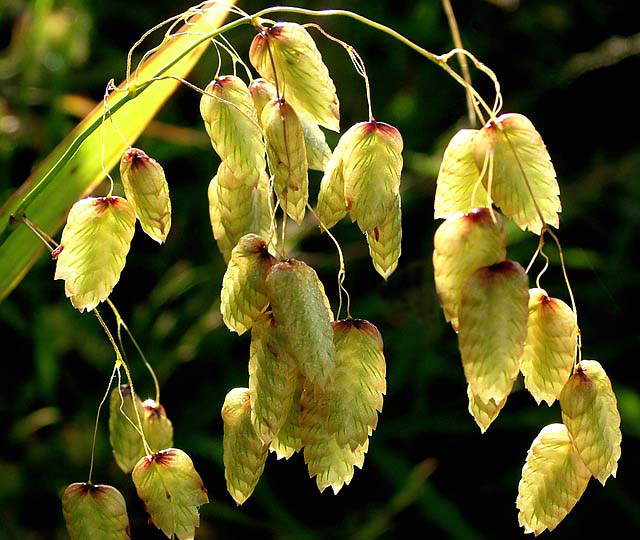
(244, 452)
(461, 245)
(95, 511)
(301, 74)
(550, 347)
(287, 157)
(459, 187)
(147, 190)
(244, 291)
(483, 412)
(385, 242)
(318, 151)
(553, 480)
(172, 491)
(590, 412)
(288, 441)
(231, 121)
(513, 146)
(93, 250)
(273, 379)
(301, 313)
(492, 328)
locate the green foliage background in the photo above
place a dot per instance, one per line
(559, 62)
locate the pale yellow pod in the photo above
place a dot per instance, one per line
(301, 74)
(147, 190)
(244, 453)
(355, 399)
(125, 440)
(332, 206)
(158, 429)
(244, 291)
(493, 326)
(514, 135)
(553, 480)
(303, 318)
(331, 464)
(231, 121)
(385, 242)
(371, 165)
(273, 379)
(94, 511)
(550, 347)
(287, 157)
(484, 413)
(288, 441)
(461, 245)
(459, 187)
(590, 412)
(219, 234)
(171, 491)
(93, 250)
(318, 151)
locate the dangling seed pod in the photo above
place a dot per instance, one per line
(231, 121)
(225, 244)
(244, 291)
(125, 440)
(93, 249)
(288, 441)
(171, 491)
(158, 429)
(147, 190)
(244, 453)
(287, 157)
(95, 511)
(300, 72)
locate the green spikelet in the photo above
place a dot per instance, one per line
(94, 246)
(288, 441)
(125, 440)
(302, 317)
(303, 78)
(171, 491)
(147, 190)
(95, 511)
(273, 379)
(158, 429)
(360, 383)
(461, 245)
(372, 164)
(219, 234)
(244, 291)
(332, 465)
(244, 452)
(287, 157)
(385, 242)
(231, 121)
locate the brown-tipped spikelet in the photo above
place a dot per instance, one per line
(244, 291)
(125, 440)
(492, 328)
(303, 319)
(93, 250)
(273, 379)
(459, 187)
(385, 242)
(318, 151)
(147, 190)
(371, 166)
(550, 348)
(331, 464)
(590, 412)
(355, 399)
(302, 77)
(158, 429)
(94, 511)
(171, 491)
(244, 452)
(287, 157)
(461, 245)
(512, 145)
(288, 441)
(484, 413)
(553, 480)
(231, 121)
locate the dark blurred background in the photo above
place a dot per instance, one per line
(569, 65)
